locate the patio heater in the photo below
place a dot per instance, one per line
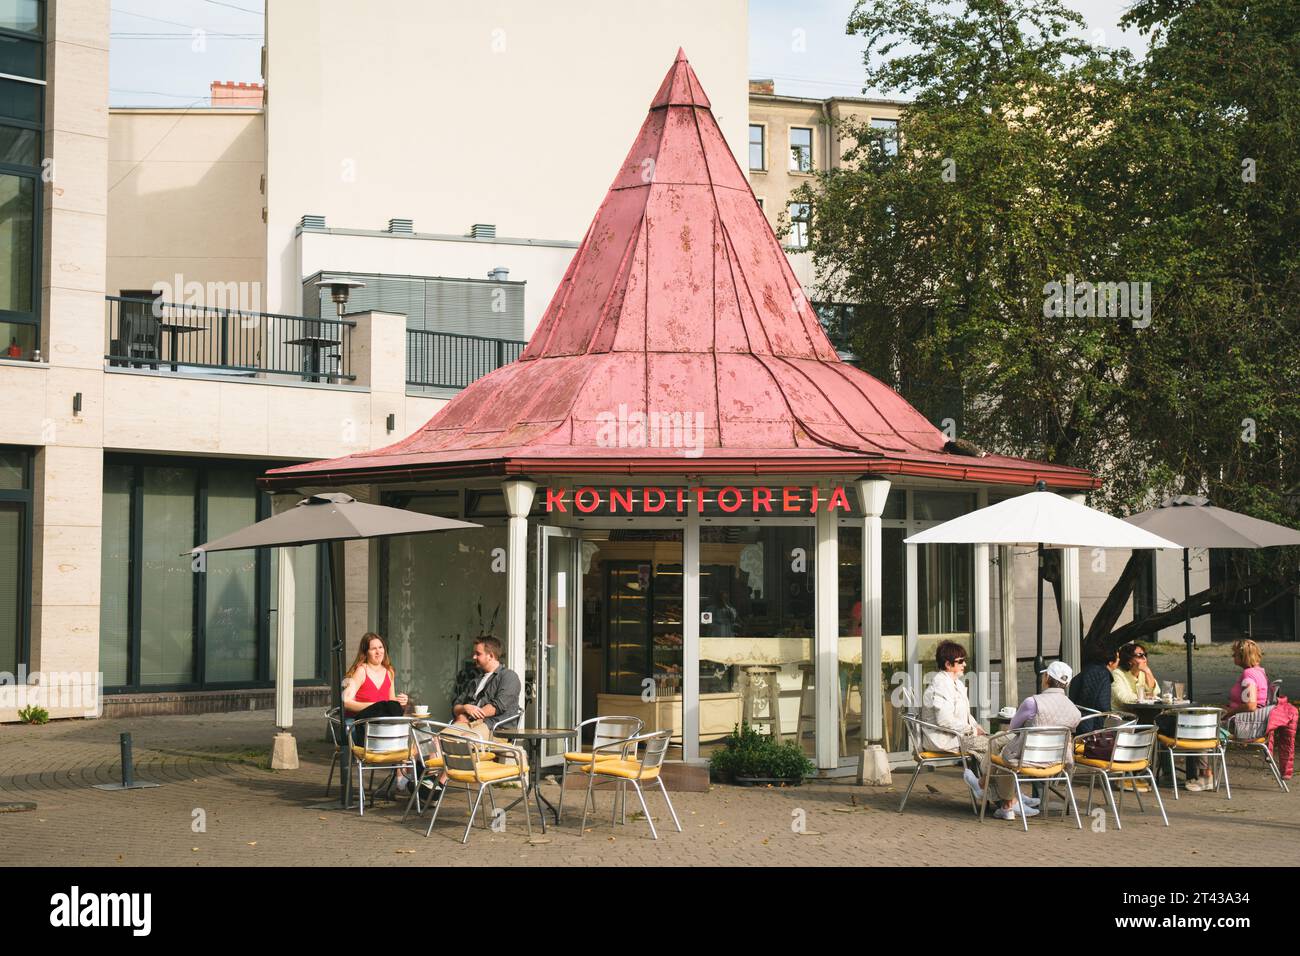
(340, 290)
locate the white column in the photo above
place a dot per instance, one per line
(1007, 630)
(691, 636)
(826, 641)
(872, 494)
(518, 493)
(910, 637)
(284, 748)
(983, 666)
(1071, 639)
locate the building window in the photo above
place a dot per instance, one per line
(800, 218)
(22, 106)
(165, 625)
(761, 205)
(15, 555)
(888, 134)
(800, 150)
(757, 146)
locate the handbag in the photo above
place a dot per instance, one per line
(1100, 746)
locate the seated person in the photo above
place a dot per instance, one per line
(369, 690)
(1092, 687)
(1133, 672)
(946, 703)
(1048, 708)
(494, 699)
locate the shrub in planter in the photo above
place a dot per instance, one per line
(750, 757)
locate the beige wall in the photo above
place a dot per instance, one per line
(185, 197)
(494, 112)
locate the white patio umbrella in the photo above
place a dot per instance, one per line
(1046, 520)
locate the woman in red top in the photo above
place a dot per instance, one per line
(369, 691)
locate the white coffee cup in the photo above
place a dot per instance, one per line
(421, 710)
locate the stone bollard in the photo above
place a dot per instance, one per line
(873, 767)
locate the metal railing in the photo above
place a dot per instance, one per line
(148, 333)
(450, 360)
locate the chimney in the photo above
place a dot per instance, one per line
(231, 94)
(499, 274)
(765, 87)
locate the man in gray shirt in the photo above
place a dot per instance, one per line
(496, 695)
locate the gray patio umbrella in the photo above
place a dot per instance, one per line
(1192, 522)
(325, 519)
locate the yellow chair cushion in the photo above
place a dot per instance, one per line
(937, 754)
(629, 769)
(1173, 744)
(381, 759)
(1052, 771)
(1132, 766)
(487, 773)
(1078, 748)
(576, 757)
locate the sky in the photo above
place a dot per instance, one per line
(166, 52)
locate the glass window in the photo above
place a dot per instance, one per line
(757, 620)
(166, 577)
(306, 629)
(115, 577)
(20, 101)
(13, 469)
(21, 15)
(800, 150)
(17, 248)
(19, 146)
(888, 134)
(800, 216)
(13, 550)
(20, 57)
(757, 147)
(941, 505)
(231, 624)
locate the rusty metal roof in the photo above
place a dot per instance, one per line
(679, 302)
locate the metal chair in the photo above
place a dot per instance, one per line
(1041, 756)
(1131, 759)
(1248, 731)
(607, 730)
(925, 757)
(1274, 690)
(470, 763)
(1196, 734)
(626, 768)
(386, 747)
(338, 733)
(139, 332)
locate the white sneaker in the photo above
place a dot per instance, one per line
(403, 783)
(1013, 813)
(1030, 802)
(973, 782)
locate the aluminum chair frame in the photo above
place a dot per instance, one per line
(632, 728)
(424, 733)
(361, 763)
(1250, 744)
(656, 749)
(1218, 750)
(916, 737)
(337, 729)
(1126, 751)
(473, 754)
(1036, 743)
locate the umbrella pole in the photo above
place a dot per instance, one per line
(1188, 637)
(1038, 655)
(336, 653)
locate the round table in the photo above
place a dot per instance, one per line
(532, 738)
(1146, 712)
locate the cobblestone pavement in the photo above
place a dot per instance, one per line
(255, 816)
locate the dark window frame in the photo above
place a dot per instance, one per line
(135, 546)
(762, 147)
(34, 173)
(796, 164)
(22, 497)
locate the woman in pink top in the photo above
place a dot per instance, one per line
(1251, 693)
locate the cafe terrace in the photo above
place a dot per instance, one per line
(801, 617)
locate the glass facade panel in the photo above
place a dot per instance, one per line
(166, 578)
(13, 469)
(13, 550)
(757, 619)
(20, 147)
(115, 577)
(945, 577)
(20, 57)
(230, 632)
(22, 15)
(17, 238)
(306, 627)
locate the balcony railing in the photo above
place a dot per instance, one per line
(449, 360)
(147, 333)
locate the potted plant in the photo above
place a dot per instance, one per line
(748, 758)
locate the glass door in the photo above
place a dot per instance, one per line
(559, 655)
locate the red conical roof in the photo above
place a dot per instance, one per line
(679, 300)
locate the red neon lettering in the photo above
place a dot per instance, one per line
(595, 500)
(763, 499)
(662, 499)
(699, 499)
(838, 495)
(739, 499)
(814, 501)
(681, 505)
(788, 500)
(555, 499)
(626, 496)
